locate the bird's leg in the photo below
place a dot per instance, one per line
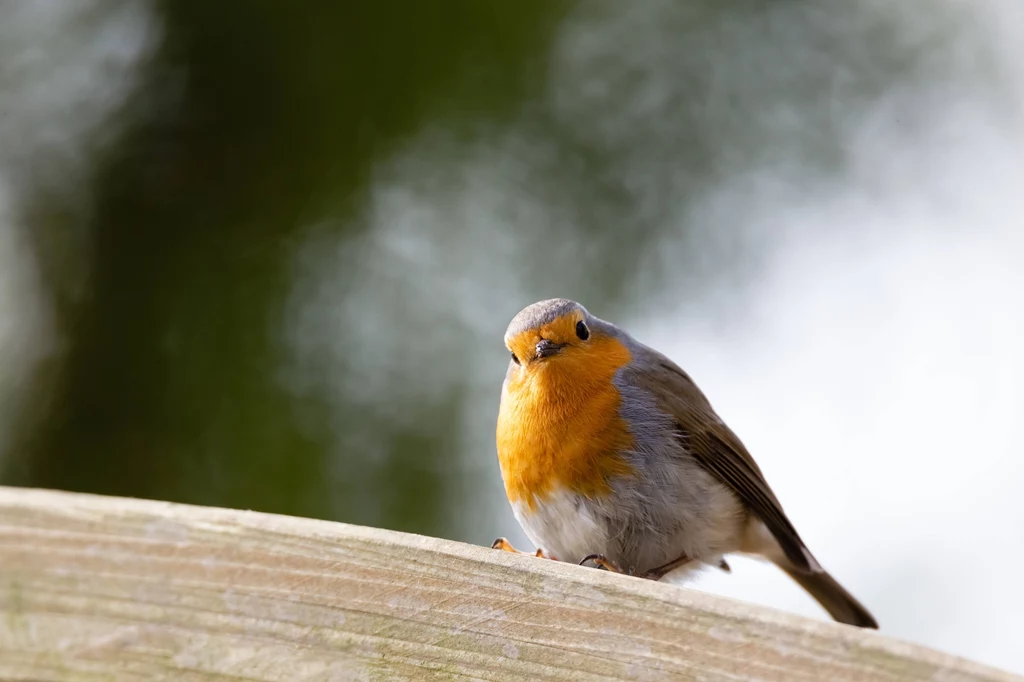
(724, 566)
(604, 562)
(505, 546)
(660, 572)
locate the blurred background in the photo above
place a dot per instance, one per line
(262, 256)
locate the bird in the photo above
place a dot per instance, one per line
(610, 454)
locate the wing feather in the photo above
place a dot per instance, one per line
(720, 451)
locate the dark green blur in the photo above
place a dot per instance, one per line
(256, 119)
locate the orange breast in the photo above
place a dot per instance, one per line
(559, 425)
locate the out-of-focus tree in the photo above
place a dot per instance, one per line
(254, 120)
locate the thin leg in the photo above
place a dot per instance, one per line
(505, 546)
(602, 561)
(660, 572)
(724, 566)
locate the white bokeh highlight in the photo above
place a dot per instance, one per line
(66, 70)
(870, 358)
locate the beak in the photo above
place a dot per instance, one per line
(546, 348)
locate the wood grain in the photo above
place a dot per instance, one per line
(99, 588)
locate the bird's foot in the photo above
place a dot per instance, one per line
(505, 546)
(657, 573)
(604, 562)
(661, 571)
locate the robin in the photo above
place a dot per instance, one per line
(611, 454)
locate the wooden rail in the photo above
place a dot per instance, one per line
(98, 588)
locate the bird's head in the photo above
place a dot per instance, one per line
(559, 338)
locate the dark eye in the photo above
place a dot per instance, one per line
(514, 358)
(582, 331)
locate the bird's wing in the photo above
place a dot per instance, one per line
(719, 450)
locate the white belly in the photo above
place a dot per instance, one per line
(563, 526)
(640, 528)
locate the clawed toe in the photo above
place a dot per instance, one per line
(505, 546)
(602, 561)
(661, 571)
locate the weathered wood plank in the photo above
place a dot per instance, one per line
(96, 588)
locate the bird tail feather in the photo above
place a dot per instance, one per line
(839, 603)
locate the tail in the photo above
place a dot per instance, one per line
(839, 603)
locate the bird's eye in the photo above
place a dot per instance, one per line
(514, 358)
(582, 331)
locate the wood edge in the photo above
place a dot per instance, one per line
(56, 502)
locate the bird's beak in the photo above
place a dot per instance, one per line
(546, 348)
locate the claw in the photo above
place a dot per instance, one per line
(505, 546)
(602, 561)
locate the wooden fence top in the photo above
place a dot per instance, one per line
(99, 588)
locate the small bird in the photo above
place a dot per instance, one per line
(611, 454)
